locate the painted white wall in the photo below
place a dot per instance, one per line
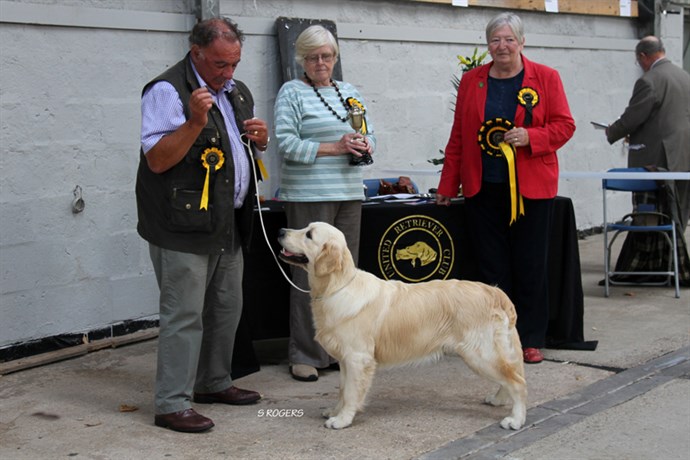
(71, 73)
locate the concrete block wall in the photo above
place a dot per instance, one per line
(72, 73)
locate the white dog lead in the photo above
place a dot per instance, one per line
(261, 217)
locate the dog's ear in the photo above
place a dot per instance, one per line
(329, 260)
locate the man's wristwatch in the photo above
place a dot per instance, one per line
(265, 146)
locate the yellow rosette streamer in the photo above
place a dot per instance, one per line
(211, 159)
(490, 139)
(262, 169)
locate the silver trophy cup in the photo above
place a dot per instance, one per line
(356, 119)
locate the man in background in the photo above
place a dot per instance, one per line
(657, 124)
(657, 119)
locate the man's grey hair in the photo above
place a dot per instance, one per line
(204, 32)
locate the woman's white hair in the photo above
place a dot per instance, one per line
(512, 20)
(311, 38)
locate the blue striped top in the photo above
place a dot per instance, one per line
(302, 122)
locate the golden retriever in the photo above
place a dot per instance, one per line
(364, 321)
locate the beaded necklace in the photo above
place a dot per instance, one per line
(328, 106)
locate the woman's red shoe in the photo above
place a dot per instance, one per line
(532, 355)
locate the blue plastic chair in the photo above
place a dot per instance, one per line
(628, 223)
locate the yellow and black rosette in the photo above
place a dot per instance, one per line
(352, 102)
(491, 141)
(528, 98)
(490, 136)
(212, 159)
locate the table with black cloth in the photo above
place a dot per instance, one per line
(413, 242)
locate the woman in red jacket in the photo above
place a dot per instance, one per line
(511, 116)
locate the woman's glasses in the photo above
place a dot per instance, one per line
(314, 58)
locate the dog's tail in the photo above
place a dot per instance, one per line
(510, 347)
(506, 305)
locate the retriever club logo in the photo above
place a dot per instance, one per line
(416, 248)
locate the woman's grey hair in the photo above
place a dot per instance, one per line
(512, 20)
(311, 38)
(206, 31)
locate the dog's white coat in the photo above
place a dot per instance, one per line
(364, 321)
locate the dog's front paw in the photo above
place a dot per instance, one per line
(328, 413)
(510, 423)
(337, 423)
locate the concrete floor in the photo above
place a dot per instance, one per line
(628, 399)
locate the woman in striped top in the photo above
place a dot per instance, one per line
(318, 181)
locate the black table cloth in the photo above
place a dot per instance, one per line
(412, 242)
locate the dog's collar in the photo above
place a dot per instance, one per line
(337, 290)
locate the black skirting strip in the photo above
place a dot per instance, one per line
(58, 342)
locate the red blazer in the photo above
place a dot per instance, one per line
(537, 163)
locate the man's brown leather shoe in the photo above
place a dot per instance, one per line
(233, 395)
(186, 421)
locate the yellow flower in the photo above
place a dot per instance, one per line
(465, 60)
(470, 62)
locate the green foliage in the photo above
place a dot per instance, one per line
(437, 161)
(468, 63)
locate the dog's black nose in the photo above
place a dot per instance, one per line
(281, 233)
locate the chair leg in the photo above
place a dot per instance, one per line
(607, 262)
(674, 247)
